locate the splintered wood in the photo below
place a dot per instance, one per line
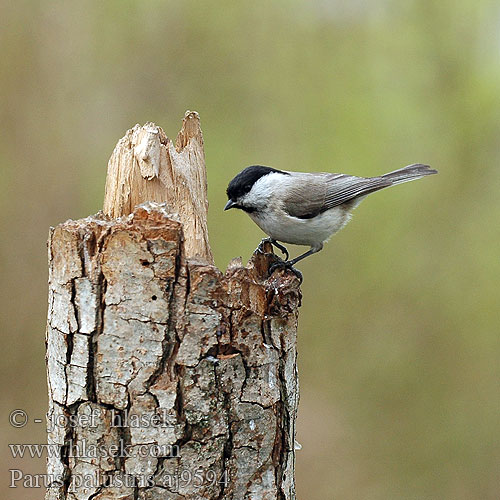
(147, 166)
(167, 378)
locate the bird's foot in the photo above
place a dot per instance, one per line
(279, 246)
(286, 265)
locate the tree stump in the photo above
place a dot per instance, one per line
(167, 378)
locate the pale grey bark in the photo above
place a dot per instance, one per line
(167, 379)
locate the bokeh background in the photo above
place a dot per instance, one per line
(399, 331)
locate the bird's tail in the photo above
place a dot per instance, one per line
(409, 173)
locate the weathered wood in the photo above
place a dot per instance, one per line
(147, 166)
(167, 378)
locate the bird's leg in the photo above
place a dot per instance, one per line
(290, 263)
(304, 255)
(283, 249)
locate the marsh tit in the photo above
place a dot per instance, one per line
(306, 208)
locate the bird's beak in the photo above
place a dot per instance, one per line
(229, 204)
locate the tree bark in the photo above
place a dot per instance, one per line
(167, 379)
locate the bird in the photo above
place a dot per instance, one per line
(306, 208)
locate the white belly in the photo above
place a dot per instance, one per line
(312, 232)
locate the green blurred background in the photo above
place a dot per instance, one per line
(399, 331)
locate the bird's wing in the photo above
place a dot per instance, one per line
(344, 188)
(304, 194)
(311, 194)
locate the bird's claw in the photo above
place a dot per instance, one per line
(288, 266)
(279, 246)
